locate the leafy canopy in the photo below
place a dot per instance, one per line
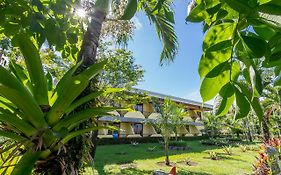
(242, 38)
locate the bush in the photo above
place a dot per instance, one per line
(268, 160)
(228, 150)
(213, 155)
(180, 143)
(244, 148)
(216, 142)
(222, 141)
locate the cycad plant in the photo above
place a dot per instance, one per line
(36, 118)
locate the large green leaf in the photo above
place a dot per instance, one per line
(254, 101)
(71, 90)
(26, 163)
(13, 90)
(227, 95)
(257, 47)
(269, 8)
(90, 97)
(82, 131)
(200, 11)
(62, 83)
(210, 60)
(20, 73)
(219, 33)
(20, 124)
(35, 69)
(11, 135)
(130, 10)
(241, 6)
(83, 100)
(197, 14)
(277, 81)
(273, 60)
(264, 31)
(242, 104)
(76, 118)
(217, 78)
(256, 80)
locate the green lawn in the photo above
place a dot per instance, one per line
(137, 160)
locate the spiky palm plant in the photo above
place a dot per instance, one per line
(38, 117)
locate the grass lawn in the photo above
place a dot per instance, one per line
(138, 160)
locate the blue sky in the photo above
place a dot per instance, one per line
(180, 78)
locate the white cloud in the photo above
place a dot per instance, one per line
(137, 22)
(195, 95)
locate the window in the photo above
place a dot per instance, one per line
(138, 128)
(117, 125)
(139, 107)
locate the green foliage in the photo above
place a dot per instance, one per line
(268, 160)
(24, 118)
(228, 150)
(162, 17)
(130, 10)
(179, 143)
(213, 155)
(121, 71)
(244, 148)
(45, 20)
(167, 122)
(242, 39)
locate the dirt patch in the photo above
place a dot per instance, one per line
(187, 163)
(162, 163)
(216, 158)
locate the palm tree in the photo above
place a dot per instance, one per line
(159, 14)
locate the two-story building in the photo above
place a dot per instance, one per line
(139, 121)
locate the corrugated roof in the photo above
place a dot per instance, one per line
(177, 99)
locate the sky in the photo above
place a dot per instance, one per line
(181, 77)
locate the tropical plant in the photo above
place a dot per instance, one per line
(39, 117)
(213, 155)
(57, 25)
(177, 118)
(268, 161)
(213, 124)
(239, 35)
(244, 148)
(165, 125)
(228, 150)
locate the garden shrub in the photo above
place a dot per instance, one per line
(268, 160)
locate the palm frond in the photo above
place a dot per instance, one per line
(163, 20)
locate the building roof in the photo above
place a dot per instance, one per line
(176, 99)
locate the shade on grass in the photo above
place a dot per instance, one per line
(137, 160)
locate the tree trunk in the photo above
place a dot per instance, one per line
(95, 142)
(249, 133)
(87, 55)
(265, 128)
(166, 143)
(176, 135)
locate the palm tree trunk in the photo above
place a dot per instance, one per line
(166, 145)
(87, 56)
(91, 38)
